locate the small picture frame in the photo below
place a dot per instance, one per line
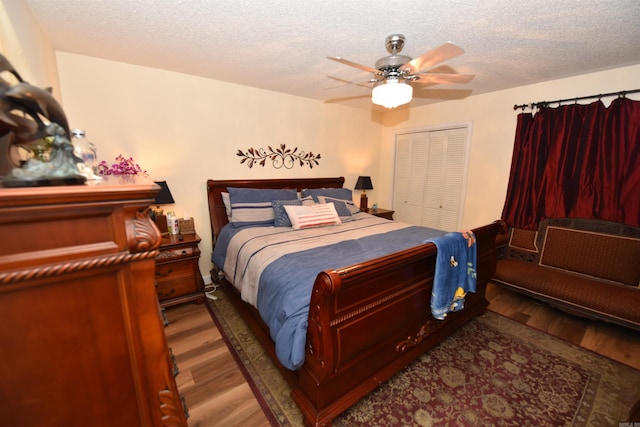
(186, 226)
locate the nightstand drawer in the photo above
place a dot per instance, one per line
(175, 287)
(175, 253)
(174, 270)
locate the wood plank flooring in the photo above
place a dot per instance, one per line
(218, 395)
(214, 388)
(612, 341)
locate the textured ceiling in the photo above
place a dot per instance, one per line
(282, 45)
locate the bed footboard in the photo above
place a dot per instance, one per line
(368, 321)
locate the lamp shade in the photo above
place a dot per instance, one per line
(392, 93)
(364, 183)
(164, 197)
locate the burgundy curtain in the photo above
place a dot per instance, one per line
(576, 161)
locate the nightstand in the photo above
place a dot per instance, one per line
(382, 213)
(178, 278)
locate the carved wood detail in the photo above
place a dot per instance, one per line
(72, 267)
(368, 307)
(170, 408)
(426, 330)
(142, 234)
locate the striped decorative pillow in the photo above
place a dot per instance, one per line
(252, 206)
(312, 216)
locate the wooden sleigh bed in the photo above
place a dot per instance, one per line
(366, 321)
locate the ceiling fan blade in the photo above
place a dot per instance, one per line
(431, 58)
(433, 78)
(350, 83)
(426, 92)
(346, 99)
(353, 64)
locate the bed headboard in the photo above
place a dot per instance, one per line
(217, 212)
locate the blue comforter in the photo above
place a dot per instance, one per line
(286, 275)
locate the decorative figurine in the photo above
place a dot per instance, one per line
(29, 114)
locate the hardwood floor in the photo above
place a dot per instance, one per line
(612, 341)
(214, 389)
(218, 395)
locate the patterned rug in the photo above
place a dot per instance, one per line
(492, 372)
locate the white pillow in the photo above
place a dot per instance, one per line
(227, 203)
(317, 215)
(307, 201)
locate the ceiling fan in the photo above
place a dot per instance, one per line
(394, 73)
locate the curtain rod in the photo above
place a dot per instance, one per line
(622, 93)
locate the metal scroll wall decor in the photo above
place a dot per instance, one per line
(280, 157)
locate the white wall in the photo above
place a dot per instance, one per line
(25, 45)
(186, 129)
(494, 124)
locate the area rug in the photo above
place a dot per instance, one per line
(492, 372)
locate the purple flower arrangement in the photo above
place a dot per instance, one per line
(121, 167)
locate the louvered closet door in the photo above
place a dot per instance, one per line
(409, 182)
(430, 175)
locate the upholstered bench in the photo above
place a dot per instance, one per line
(586, 267)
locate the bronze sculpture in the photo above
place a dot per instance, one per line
(29, 114)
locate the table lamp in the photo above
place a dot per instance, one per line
(364, 184)
(164, 197)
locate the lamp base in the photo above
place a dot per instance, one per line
(161, 223)
(364, 202)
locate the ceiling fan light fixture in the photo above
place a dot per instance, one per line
(392, 93)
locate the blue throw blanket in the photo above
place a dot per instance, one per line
(455, 272)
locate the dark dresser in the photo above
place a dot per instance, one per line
(81, 338)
